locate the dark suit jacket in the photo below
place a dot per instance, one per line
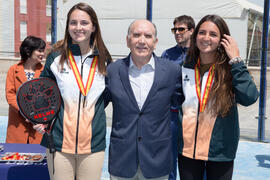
(141, 137)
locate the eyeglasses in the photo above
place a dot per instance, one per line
(180, 30)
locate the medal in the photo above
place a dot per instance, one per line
(208, 85)
(84, 89)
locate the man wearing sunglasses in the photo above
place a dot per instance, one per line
(182, 30)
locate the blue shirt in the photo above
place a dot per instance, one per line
(176, 54)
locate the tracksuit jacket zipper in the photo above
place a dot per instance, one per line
(197, 125)
(79, 109)
(196, 131)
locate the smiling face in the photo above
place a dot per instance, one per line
(80, 27)
(208, 38)
(142, 40)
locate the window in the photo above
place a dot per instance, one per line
(49, 2)
(48, 7)
(23, 6)
(23, 30)
(48, 32)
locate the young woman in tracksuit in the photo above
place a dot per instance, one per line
(78, 65)
(214, 80)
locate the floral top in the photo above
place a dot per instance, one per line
(29, 75)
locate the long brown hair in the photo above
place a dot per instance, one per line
(221, 95)
(96, 41)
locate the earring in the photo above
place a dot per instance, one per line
(219, 49)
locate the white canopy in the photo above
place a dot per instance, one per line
(116, 15)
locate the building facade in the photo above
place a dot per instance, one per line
(20, 18)
(31, 17)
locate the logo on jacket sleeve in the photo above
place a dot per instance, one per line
(186, 78)
(64, 70)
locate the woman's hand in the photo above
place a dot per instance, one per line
(40, 128)
(230, 46)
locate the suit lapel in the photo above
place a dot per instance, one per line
(124, 76)
(158, 76)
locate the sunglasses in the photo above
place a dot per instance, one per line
(180, 30)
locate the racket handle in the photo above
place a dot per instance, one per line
(50, 142)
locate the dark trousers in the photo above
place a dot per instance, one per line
(174, 128)
(191, 169)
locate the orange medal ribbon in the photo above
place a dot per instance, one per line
(207, 87)
(91, 75)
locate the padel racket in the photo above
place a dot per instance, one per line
(39, 101)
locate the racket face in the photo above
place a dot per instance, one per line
(39, 100)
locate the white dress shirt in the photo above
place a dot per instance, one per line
(141, 80)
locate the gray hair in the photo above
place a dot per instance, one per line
(129, 28)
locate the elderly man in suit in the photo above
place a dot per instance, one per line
(141, 87)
